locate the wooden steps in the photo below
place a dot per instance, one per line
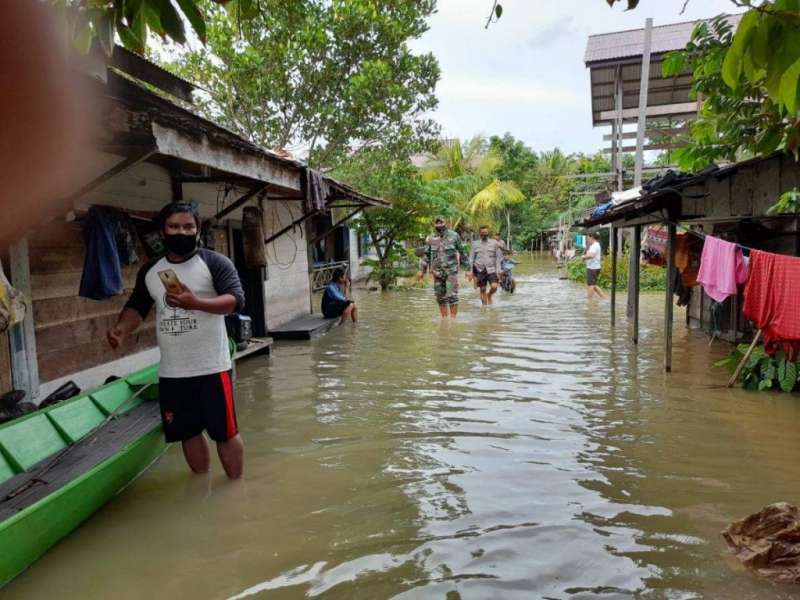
(307, 327)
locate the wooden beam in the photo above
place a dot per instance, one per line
(614, 253)
(140, 155)
(237, 203)
(618, 127)
(650, 132)
(636, 249)
(657, 146)
(335, 225)
(667, 110)
(291, 226)
(140, 68)
(669, 301)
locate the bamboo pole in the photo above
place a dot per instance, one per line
(747, 354)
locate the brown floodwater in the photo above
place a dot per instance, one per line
(524, 451)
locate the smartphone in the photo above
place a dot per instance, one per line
(170, 280)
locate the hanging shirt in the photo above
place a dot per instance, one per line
(722, 268)
(771, 297)
(192, 342)
(596, 254)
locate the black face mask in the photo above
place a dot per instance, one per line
(485, 237)
(180, 244)
(441, 228)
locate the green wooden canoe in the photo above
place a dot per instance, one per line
(61, 464)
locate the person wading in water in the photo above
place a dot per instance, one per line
(442, 254)
(192, 289)
(487, 260)
(593, 257)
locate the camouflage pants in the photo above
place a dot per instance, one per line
(445, 286)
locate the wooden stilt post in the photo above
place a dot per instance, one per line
(614, 252)
(636, 249)
(669, 302)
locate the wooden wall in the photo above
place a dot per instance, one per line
(70, 330)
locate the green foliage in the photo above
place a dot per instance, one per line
(651, 278)
(748, 80)
(387, 270)
(329, 76)
(787, 204)
(135, 20)
(762, 371)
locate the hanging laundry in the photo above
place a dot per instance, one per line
(770, 299)
(688, 250)
(654, 246)
(316, 190)
(102, 274)
(124, 235)
(722, 268)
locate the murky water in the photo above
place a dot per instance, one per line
(524, 451)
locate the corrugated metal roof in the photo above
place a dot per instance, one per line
(627, 44)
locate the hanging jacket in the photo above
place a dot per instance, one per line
(102, 274)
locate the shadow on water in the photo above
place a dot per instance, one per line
(524, 451)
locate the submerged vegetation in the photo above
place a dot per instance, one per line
(762, 371)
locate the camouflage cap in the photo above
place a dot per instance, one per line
(438, 219)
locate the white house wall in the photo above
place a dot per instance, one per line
(288, 287)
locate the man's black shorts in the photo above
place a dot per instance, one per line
(190, 405)
(335, 308)
(482, 278)
(591, 276)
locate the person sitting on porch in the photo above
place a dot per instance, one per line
(335, 300)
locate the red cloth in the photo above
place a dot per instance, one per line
(771, 299)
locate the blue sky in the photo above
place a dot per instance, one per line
(525, 74)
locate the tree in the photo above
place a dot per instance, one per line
(326, 76)
(389, 173)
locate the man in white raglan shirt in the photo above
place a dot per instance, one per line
(593, 258)
(192, 289)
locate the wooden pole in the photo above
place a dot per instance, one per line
(614, 252)
(747, 354)
(636, 249)
(643, 91)
(618, 93)
(669, 302)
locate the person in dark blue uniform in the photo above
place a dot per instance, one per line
(335, 300)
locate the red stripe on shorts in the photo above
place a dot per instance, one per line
(230, 414)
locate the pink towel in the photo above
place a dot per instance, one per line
(722, 268)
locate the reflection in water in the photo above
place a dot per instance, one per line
(523, 451)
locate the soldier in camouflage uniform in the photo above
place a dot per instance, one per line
(443, 253)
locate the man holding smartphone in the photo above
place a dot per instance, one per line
(192, 289)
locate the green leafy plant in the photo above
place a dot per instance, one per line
(388, 270)
(762, 371)
(134, 20)
(787, 204)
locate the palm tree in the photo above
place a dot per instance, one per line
(467, 173)
(496, 199)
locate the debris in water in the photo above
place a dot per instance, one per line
(769, 542)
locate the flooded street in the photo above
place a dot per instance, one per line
(523, 451)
